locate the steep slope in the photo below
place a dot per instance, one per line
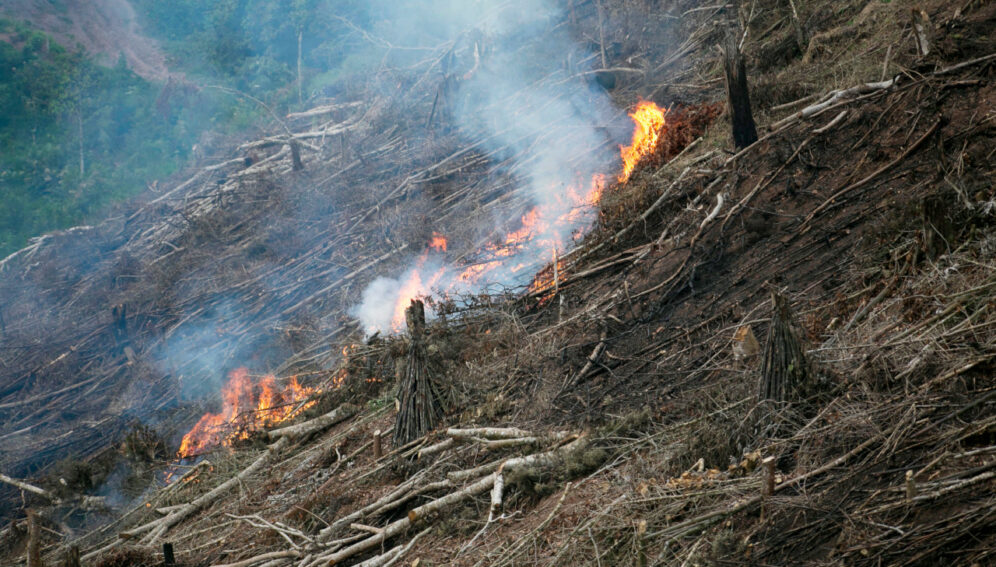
(887, 263)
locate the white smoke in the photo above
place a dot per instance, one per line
(520, 99)
(377, 307)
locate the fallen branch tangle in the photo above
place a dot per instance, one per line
(366, 529)
(357, 533)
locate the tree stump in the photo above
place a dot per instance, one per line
(72, 558)
(33, 551)
(738, 98)
(785, 372)
(420, 402)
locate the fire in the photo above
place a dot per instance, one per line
(438, 242)
(540, 232)
(246, 407)
(649, 122)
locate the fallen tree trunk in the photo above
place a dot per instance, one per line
(28, 487)
(476, 488)
(489, 433)
(338, 415)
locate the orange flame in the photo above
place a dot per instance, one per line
(438, 242)
(650, 121)
(541, 227)
(246, 407)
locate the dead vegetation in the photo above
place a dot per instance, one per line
(614, 422)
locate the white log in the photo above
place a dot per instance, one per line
(28, 487)
(338, 415)
(833, 98)
(488, 433)
(436, 448)
(261, 558)
(497, 492)
(365, 528)
(322, 110)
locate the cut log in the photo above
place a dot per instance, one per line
(488, 433)
(921, 29)
(338, 415)
(378, 452)
(29, 488)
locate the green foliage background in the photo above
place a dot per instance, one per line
(135, 131)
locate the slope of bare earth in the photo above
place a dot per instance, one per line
(106, 29)
(638, 438)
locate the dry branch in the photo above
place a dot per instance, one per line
(833, 98)
(28, 487)
(157, 528)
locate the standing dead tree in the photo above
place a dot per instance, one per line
(421, 404)
(785, 372)
(738, 98)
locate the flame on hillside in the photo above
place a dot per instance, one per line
(247, 406)
(649, 121)
(539, 232)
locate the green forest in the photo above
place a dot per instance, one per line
(79, 138)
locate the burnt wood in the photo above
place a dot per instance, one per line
(737, 93)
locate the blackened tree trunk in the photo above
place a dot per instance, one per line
(785, 372)
(420, 402)
(738, 98)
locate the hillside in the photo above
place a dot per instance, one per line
(105, 28)
(781, 354)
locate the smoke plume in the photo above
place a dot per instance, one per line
(518, 88)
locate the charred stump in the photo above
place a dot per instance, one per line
(296, 156)
(420, 402)
(169, 560)
(785, 373)
(738, 98)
